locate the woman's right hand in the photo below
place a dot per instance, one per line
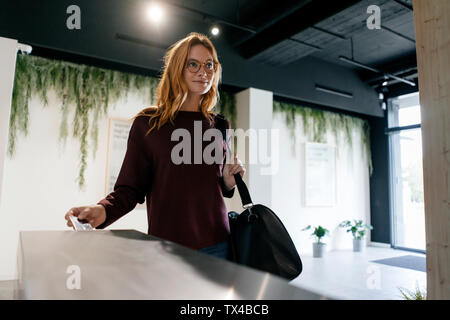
(95, 215)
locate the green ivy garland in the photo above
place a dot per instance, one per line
(316, 123)
(89, 90)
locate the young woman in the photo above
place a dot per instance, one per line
(184, 200)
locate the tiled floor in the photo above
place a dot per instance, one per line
(350, 275)
(342, 275)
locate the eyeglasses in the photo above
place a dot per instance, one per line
(194, 65)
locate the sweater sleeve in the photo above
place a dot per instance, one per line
(134, 180)
(225, 193)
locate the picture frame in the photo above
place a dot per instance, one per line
(320, 175)
(118, 132)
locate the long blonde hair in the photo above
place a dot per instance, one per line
(172, 90)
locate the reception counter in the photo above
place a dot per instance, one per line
(127, 264)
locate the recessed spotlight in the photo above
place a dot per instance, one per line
(215, 31)
(155, 13)
(385, 83)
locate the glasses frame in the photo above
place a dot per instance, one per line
(202, 64)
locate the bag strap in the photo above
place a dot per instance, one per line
(242, 187)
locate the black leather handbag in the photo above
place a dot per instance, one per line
(258, 238)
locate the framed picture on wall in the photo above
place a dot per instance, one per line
(320, 175)
(118, 131)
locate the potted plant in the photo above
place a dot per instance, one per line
(318, 247)
(358, 230)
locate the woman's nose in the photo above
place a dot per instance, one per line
(203, 71)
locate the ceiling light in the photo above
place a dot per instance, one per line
(385, 83)
(215, 31)
(155, 13)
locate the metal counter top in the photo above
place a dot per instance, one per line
(127, 264)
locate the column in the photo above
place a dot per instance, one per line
(432, 24)
(254, 112)
(8, 52)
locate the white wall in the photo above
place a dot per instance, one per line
(8, 50)
(39, 181)
(352, 187)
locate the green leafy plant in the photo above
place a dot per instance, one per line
(317, 123)
(319, 232)
(358, 229)
(413, 295)
(87, 91)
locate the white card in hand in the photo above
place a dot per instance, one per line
(78, 226)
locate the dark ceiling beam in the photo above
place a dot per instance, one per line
(306, 44)
(141, 41)
(310, 14)
(212, 18)
(90, 60)
(273, 21)
(404, 4)
(401, 35)
(398, 34)
(334, 34)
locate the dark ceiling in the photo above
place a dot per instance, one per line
(284, 34)
(281, 37)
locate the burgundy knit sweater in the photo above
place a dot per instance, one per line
(184, 201)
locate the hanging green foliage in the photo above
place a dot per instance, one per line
(317, 123)
(85, 90)
(227, 107)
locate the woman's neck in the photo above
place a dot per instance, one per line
(192, 103)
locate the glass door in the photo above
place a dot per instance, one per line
(406, 172)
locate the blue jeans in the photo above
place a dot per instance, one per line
(218, 250)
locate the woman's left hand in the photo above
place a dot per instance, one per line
(230, 169)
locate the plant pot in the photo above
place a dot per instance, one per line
(358, 245)
(318, 249)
